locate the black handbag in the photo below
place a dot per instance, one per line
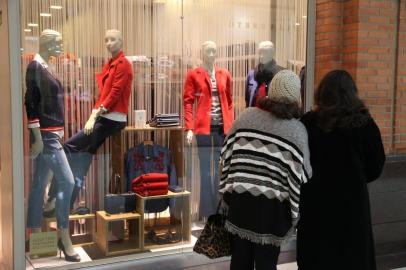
(119, 203)
(214, 241)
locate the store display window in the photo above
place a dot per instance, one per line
(126, 106)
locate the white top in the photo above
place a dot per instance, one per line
(115, 116)
(216, 115)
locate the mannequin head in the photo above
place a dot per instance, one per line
(50, 44)
(209, 49)
(114, 41)
(266, 51)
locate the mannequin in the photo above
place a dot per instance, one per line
(44, 101)
(211, 89)
(109, 115)
(258, 79)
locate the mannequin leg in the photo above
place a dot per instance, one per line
(57, 161)
(217, 134)
(204, 151)
(36, 196)
(80, 149)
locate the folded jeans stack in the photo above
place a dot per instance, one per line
(165, 120)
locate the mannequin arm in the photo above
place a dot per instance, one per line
(189, 136)
(229, 94)
(38, 145)
(188, 101)
(91, 121)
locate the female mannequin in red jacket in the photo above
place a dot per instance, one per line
(211, 89)
(109, 115)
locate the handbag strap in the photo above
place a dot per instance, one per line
(219, 206)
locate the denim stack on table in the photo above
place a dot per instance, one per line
(165, 120)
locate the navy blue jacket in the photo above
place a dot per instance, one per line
(44, 98)
(155, 158)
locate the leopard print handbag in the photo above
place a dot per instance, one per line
(214, 241)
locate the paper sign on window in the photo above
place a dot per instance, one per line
(43, 243)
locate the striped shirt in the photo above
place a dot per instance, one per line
(267, 156)
(216, 116)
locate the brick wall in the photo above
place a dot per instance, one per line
(359, 36)
(400, 127)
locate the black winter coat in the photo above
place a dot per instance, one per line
(335, 231)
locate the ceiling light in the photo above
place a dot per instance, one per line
(304, 16)
(55, 7)
(33, 24)
(27, 30)
(297, 24)
(45, 14)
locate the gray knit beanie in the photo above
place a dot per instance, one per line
(285, 85)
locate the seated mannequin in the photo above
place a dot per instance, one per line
(258, 79)
(109, 115)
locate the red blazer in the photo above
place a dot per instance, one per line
(115, 84)
(198, 88)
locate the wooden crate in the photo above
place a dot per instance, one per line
(130, 243)
(77, 239)
(185, 216)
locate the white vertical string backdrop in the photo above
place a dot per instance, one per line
(83, 24)
(291, 27)
(165, 45)
(237, 26)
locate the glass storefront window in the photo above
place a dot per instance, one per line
(120, 149)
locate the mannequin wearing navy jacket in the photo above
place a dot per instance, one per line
(211, 89)
(109, 114)
(44, 102)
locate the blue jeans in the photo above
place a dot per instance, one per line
(209, 148)
(80, 149)
(53, 159)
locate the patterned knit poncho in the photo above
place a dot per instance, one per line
(263, 163)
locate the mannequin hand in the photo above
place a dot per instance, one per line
(38, 145)
(90, 123)
(189, 136)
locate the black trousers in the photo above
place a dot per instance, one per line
(80, 149)
(245, 255)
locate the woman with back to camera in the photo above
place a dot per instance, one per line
(264, 161)
(346, 150)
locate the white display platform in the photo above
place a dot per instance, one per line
(54, 261)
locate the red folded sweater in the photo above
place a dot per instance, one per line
(149, 178)
(154, 192)
(151, 186)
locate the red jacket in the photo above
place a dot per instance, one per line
(115, 84)
(198, 88)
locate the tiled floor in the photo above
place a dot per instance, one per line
(188, 261)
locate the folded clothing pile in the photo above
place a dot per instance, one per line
(165, 120)
(150, 184)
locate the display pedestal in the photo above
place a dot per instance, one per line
(87, 237)
(185, 218)
(131, 241)
(119, 147)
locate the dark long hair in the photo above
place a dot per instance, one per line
(282, 108)
(337, 102)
